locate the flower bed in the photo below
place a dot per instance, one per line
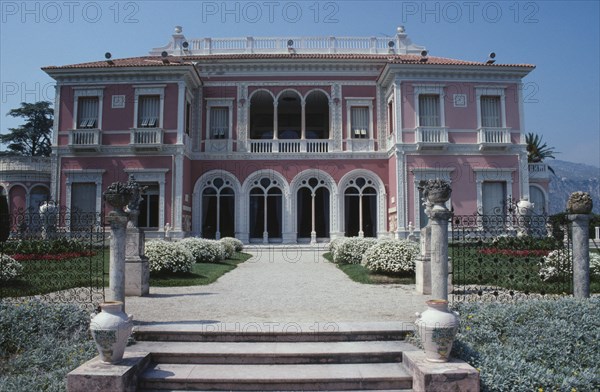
(166, 256)
(57, 257)
(391, 256)
(514, 252)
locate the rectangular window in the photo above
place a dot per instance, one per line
(429, 110)
(359, 119)
(490, 111)
(219, 123)
(148, 111)
(494, 202)
(148, 217)
(188, 118)
(87, 112)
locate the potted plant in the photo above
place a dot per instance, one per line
(580, 203)
(117, 195)
(436, 191)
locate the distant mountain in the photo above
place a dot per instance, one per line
(572, 177)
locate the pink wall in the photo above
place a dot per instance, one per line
(464, 186)
(392, 180)
(457, 117)
(115, 171)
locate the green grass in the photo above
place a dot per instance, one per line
(361, 274)
(46, 276)
(201, 274)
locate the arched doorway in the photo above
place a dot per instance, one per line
(266, 210)
(218, 209)
(360, 208)
(313, 210)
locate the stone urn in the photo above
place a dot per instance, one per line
(111, 329)
(580, 203)
(117, 195)
(437, 327)
(436, 191)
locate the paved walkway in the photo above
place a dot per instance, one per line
(279, 285)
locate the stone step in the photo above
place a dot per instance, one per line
(273, 353)
(273, 332)
(380, 376)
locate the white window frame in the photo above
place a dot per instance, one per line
(157, 176)
(430, 89)
(87, 92)
(150, 90)
(219, 103)
(493, 175)
(359, 102)
(491, 91)
(86, 176)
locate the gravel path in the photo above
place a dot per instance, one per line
(279, 285)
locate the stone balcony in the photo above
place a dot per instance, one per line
(431, 138)
(313, 146)
(85, 140)
(146, 139)
(493, 138)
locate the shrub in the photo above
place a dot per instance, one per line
(334, 244)
(532, 345)
(556, 266)
(43, 247)
(9, 268)
(203, 250)
(166, 256)
(526, 243)
(237, 244)
(352, 250)
(228, 249)
(40, 343)
(595, 263)
(391, 256)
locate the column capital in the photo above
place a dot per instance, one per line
(579, 217)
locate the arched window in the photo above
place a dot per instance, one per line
(261, 116)
(266, 210)
(218, 209)
(289, 115)
(360, 208)
(536, 196)
(313, 209)
(317, 115)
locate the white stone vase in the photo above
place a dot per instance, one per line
(437, 327)
(111, 329)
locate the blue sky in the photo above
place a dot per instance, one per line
(562, 38)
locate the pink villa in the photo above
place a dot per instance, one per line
(290, 140)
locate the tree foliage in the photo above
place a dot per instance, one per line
(537, 150)
(33, 137)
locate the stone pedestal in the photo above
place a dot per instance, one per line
(137, 270)
(581, 254)
(423, 263)
(438, 221)
(118, 224)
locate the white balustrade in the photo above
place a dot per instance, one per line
(493, 136)
(290, 146)
(84, 137)
(435, 135)
(143, 136)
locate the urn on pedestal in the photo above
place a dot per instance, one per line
(580, 203)
(111, 329)
(437, 327)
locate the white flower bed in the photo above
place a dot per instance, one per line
(203, 250)
(351, 250)
(9, 268)
(168, 256)
(555, 266)
(228, 249)
(237, 244)
(334, 244)
(595, 263)
(391, 256)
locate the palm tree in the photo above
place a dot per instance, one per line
(537, 150)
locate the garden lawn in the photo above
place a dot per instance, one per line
(361, 274)
(201, 274)
(46, 276)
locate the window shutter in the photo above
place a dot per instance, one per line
(219, 123)
(490, 112)
(149, 111)
(359, 118)
(429, 111)
(87, 112)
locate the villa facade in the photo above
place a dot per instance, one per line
(290, 139)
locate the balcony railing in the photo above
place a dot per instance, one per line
(493, 138)
(23, 163)
(146, 138)
(290, 146)
(431, 137)
(539, 171)
(85, 139)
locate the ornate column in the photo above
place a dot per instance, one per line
(437, 192)
(137, 269)
(423, 262)
(117, 195)
(579, 208)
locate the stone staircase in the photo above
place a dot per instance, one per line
(289, 357)
(273, 357)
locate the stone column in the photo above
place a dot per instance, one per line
(438, 221)
(423, 263)
(579, 207)
(118, 225)
(437, 192)
(137, 269)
